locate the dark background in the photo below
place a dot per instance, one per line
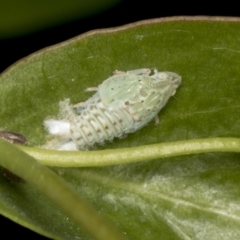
(126, 12)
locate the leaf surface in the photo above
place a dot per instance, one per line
(185, 197)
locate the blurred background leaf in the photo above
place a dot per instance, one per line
(18, 17)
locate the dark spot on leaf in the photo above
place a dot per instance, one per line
(13, 137)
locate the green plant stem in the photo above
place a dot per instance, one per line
(47, 182)
(134, 154)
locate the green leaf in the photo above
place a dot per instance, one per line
(53, 187)
(181, 197)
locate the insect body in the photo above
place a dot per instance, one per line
(122, 104)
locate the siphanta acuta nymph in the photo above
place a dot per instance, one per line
(122, 104)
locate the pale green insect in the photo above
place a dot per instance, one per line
(122, 104)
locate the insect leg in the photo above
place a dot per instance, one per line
(141, 71)
(91, 89)
(156, 120)
(117, 72)
(81, 105)
(123, 136)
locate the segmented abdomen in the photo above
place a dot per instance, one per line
(98, 123)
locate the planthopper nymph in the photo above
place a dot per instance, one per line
(122, 104)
